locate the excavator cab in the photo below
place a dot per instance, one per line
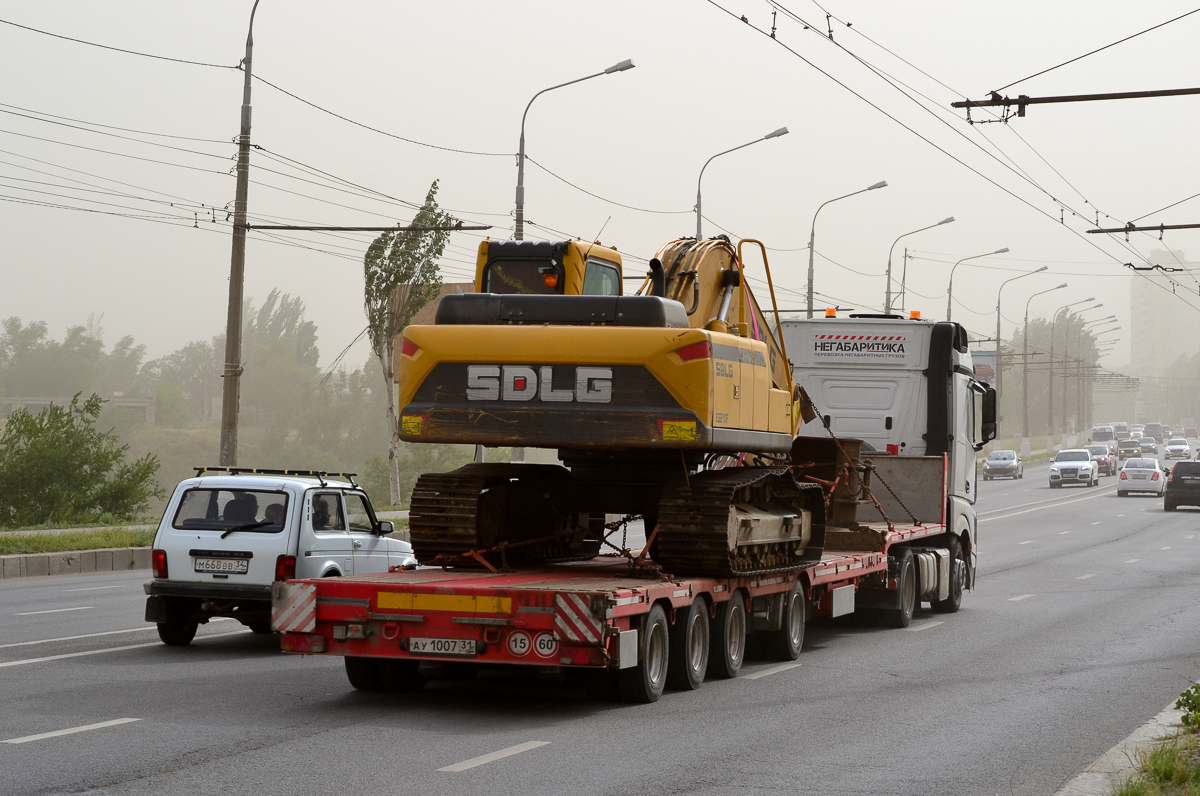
(564, 268)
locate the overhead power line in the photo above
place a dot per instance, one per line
(119, 49)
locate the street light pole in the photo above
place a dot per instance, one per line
(950, 285)
(519, 225)
(1079, 371)
(768, 136)
(1050, 381)
(999, 364)
(887, 293)
(1025, 364)
(232, 372)
(813, 233)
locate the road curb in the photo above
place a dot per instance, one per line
(1116, 765)
(74, 562)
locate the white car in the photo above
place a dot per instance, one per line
(1074, 466)
(1177, 448)
(229, 533)
(1142, 475)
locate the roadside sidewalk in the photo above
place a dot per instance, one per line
(1116, 765)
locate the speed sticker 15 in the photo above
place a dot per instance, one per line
(545, 645)
(519, 643)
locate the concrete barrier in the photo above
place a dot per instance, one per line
(112, 559)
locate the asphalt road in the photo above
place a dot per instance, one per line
(1083, 625)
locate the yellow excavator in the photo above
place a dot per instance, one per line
(675, 404)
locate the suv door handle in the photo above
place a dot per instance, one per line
(357, 544)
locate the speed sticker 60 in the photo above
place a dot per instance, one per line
(545, 645)
(519, 643)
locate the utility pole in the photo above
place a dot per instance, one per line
(231, 389)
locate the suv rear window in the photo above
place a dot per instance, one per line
(226, 509)
(1187, 468)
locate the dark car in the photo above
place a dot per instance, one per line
(1003, 464)
(1148, 444)
(1155, 431)
(1104, 457)
(1183, 486)
(1128, 449)
(1189, 432)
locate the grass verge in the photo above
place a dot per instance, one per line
(69, 541)
(1172, 768)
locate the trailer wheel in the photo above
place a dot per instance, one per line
(689, 647)
(958, 580)
(364, 673)
(728, 639)
(399, 677)
(180, 627)
(645, 682)
(785, 643)
(261, 626)
(906, 591)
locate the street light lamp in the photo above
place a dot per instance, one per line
(887, 293)
(813, 232)
(1050, 380)
(519, 226)
(999, 364)
(950, 286)
(767, 137)
(1025, 363)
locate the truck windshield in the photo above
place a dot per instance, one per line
(231, 509)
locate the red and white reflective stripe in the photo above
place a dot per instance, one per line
(574, 621)
(295, 608)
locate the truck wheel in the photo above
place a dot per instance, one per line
(906, 591)
(785, 643)
(645, 682)
(180, 627)
(958, 581)
(399, 677)
(262, 627)
(689, 647)
(364, 673)
(728, 639)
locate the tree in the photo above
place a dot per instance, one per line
(57, 467)
(402, 276)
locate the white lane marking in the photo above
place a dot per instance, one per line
(1120, 515)
(1168, 547)
(1096, 523)
(770, 670)
(1189, 537)
(98, 588)
(1133, 561)
(24, 661)
(1085, 577)
(1063, 533)
(55, 611)
(1052, 504)
(69, 731)
(494, 756)
(1027, 541)
(923, 626)
(1019, 597)
(74, 638)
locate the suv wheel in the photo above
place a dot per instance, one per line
(179, 629)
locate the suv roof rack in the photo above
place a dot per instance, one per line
(320, 475)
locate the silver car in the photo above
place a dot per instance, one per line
(1003, 464)
(1142, 475)
(1177, 448)
(1075, 466)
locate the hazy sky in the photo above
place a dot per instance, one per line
(459, 75)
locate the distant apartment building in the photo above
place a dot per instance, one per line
(1162, 327)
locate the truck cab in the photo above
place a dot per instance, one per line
(903, 387)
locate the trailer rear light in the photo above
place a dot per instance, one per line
(158, 562)
(302, 642)
(408, 348)
(285, 567)
(701, 350)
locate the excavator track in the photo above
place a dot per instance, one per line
(471, 509)
(698, 526)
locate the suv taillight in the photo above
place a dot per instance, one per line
(285, 568)
(158, 563)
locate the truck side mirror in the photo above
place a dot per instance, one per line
(989, 414)
(385, 527)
